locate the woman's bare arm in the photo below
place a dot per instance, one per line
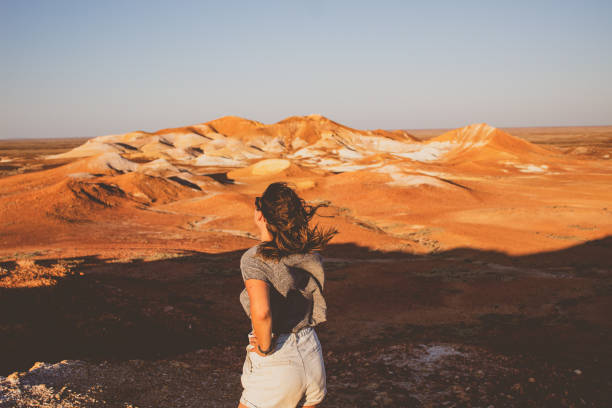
(261, 318)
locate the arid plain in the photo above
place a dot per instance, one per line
(473, 267)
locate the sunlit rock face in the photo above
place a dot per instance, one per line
(311, 142)
(193, 187)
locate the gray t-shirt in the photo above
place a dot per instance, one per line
(296, 288)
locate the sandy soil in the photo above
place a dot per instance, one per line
(478, 277)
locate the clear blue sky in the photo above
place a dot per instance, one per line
(86, 68)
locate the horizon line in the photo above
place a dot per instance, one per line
(387, 129)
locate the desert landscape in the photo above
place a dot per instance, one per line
(473, 266)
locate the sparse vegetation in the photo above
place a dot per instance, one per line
(28, 274)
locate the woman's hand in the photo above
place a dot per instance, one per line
(253, 342)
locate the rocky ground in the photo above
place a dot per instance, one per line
(459, 329)
(401, 375)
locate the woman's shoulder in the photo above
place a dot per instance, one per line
(251, 252)
(252, 256)
(252, 264)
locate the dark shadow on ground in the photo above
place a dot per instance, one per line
(551, 305)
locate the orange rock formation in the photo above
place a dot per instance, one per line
(192, 188)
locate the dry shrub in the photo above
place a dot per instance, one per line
(147, 257)
(27, 274)
(26, 263)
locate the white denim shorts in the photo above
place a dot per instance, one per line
(292, 375)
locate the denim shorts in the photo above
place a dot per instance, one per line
(292, 375)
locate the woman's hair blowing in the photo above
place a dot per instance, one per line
(287, 217)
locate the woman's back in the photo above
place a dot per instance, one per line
(296, 288)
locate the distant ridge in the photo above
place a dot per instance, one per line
(486, 143)
(235, 139)
(311, 141)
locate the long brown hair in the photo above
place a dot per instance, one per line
(287, 217)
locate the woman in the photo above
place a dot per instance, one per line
(283, 297)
